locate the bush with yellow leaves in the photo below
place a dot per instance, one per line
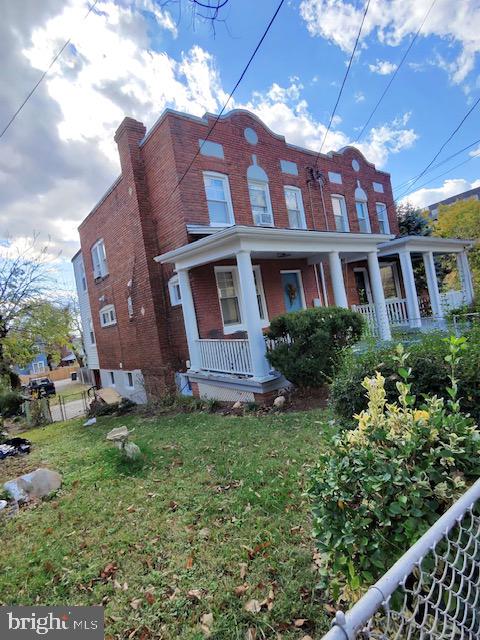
(380, 486)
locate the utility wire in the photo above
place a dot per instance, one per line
(407, 51)
(405, 184)
(424, 171)
(344, 80)
(259, 44)
(36, 85)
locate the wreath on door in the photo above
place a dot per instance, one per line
(292, 292)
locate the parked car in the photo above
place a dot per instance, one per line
(42, 386)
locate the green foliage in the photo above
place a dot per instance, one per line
(10, 403)
(412, 222)
(310, 343)
(430, 374)
(378, 487)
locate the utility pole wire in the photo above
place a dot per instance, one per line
(412, 42)
(344, 80)
(209, 133)
(37, 84)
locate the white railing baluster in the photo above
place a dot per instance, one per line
(225, 356)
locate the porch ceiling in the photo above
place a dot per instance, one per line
(271, 243)
(422, 244)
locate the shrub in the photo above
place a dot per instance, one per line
(430, 374)
(378, 487)
(10, 403)
(309, 343)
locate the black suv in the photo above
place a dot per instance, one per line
(42, 386)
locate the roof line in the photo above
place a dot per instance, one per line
(102, 199)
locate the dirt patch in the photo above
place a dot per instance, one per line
(14, 466)
(306, 399)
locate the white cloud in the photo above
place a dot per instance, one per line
(450, 187)
(359, 96)
(382, 67)
(393, 20)
(475, 152)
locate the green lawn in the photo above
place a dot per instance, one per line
(217, 504)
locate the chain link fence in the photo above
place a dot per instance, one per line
(432, 592)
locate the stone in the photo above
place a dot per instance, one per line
(119, 434)
(3, 504)
(237, 406)
(131, 451)
(279, 402)
(37, 484)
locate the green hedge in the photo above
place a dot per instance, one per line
(430, 376)
(10, 403)
(310, 343)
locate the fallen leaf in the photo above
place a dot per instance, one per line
(204, 533)
(256, 550)
(131, 508)
(295, 530)
(299, 622)
(206, 622)
(108, 571)
(149, 597)
(241, 590)
(135, 603)
(253, 606)
(251, 634)
(189, 562)
(306, 638)
(329, 609)
(268, 602)
(173, 506)
(195, 594)
(243, 570)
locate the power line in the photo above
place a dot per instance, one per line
(259, 44)
(407, 51)
(36, 85)
(445, 143)
(404, 184)
(344, 80)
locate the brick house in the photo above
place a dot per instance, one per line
(183, 275)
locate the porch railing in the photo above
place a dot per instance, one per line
(397, 314)
(225, 356)
(432, 591)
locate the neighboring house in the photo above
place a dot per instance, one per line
(39, 365)
(179, 277)
(471, 194)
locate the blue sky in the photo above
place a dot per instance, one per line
(136, 57)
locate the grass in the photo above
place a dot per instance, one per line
(67, 393)
(217, 503)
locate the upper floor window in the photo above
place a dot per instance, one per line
(296, 213)
(378, 187)
(108, 316)
(91, 331)
(335, 177)
(174, 291)
(229, 296)
(83, 277)
(130, 307)
(340, 213)
(99, 259)
(219, 201)
(261, 205)
(382, 217)
(362, 209)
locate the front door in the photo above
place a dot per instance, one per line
(292, 291)
(363, 286)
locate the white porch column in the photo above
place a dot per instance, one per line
(410, 289)
(432, 284)
(336, 275)
(251, 313)
(378, 296)
(465, 276)
(189, 319)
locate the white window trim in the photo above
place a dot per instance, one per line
(108, 308)
(300, 280)
(263, 185)
(302, 210)
(38, 366)
(175, 299)
(367, 216)
(339, 196)
(91, 332)
(226, 182)
(368, 288)
(387, 221)
(103, 264)
(240, 326)
(396, 279)
(127, 375)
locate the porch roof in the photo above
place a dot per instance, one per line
(422, 244)
(271, 242)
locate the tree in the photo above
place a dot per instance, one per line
(26, 317)
(462, 220)
(411, 221)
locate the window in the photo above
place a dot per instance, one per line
(112, 378)
(289, 167)
(174, 291)
(130, 307)
(99, 260)
(229, 297)
(38, 367)
(260, 201)
(378, 187)
(362, 215)
(296, 213)
(390, 281)
(91, 332)
(219, 201)
(334, 177)
(108, 316)
(340, 213)
(83, 276)
(382, 217)
(130, 379)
